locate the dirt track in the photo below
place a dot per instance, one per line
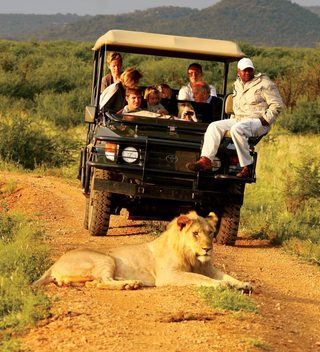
(287, 291)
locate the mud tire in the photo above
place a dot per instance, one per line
(98, 207)
(229, 224)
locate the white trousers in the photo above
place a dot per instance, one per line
(240, 131)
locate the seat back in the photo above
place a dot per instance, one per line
(228, 105)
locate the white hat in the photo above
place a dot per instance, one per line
(245, 63)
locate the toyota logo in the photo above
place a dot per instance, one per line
(171, 158)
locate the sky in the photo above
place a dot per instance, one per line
(105, 7)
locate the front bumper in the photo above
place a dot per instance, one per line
(151, 191)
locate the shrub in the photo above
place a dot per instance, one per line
(303, 182)
(30, 143)
(22, 258)
(64, 109)
(305, 118)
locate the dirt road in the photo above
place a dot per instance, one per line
(287, 291)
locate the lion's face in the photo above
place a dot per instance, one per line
(196, 235)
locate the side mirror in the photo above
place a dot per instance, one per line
(90, 114)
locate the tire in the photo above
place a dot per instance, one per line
(86, 213)
(99, 207)
(229, 224)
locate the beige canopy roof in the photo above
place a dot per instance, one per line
(169, 45)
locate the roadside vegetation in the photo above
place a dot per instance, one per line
(225, 299)
(283, 206)
(44, 87)
(23, 257)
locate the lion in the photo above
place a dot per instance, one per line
(180, 256)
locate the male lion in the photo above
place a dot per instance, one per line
(180, 256)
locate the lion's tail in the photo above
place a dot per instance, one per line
(45, 279)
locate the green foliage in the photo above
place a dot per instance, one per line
(304, 249)
(304, 181)
(31, 143)
(23, 258)
(166, 70)
(64, 109)
(305, 118)
(59, 69)
(227, 299)
(285, 203)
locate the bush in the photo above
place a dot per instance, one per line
(64, 109)
(23, 258)
(305, 118)
(31, 144)
(303, 182)
(284, 204)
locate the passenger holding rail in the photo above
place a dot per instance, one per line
(256, 105)
(195, 75)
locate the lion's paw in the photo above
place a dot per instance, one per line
(245, 287)
(132, 285)
(90, 284)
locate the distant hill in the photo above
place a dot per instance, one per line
(259, 22)
(314, 9)
(16, 26)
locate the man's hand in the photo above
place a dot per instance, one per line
(263, 121)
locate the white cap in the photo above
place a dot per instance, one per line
(245, 63)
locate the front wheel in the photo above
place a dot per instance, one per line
(99, 207)
(229, 224)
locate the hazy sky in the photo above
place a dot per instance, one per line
(93, 7)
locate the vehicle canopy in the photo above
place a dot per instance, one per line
(169, 45)
(223, 51)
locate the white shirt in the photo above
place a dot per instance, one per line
(185, 93)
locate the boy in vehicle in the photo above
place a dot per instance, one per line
(134, 99)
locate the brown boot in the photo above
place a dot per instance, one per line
(203, 164)
(246, 172)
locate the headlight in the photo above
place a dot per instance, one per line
(130, 155)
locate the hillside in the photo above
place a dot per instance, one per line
(259, 22)
(16, 26)
(314, 9)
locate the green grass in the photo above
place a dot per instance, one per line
(9, 187)
(284, 204)
(23, 257)
(227, 299)
(257, 343)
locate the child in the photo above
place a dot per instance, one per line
(134, 99)
(152, 96)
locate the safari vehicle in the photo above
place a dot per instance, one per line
(138, 161)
